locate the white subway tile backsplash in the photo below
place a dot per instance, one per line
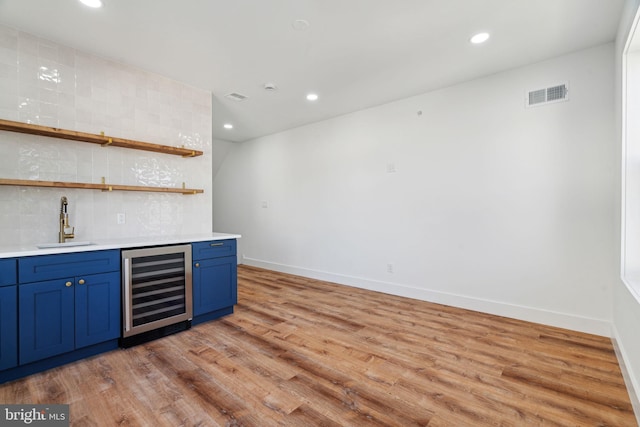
(50, 121)
(47, 50)
(27, 43)
(66, 56)
(48, 96)
(8, 56)
(8, 101)
(9, 72)
(8, 87)
(10, 158)
(45, 83)
(82, 87)
(8, 38)
(9, 114)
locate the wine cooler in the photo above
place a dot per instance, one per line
(157, 292)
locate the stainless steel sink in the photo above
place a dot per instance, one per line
(63, 245)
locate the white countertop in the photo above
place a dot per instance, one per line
(10, 251)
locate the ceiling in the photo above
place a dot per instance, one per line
(354, 54)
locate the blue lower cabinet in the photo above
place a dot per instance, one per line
(215, 284)
(62, 315)
(8, 272)
(46, 319)
(8, 327)
(97, 308)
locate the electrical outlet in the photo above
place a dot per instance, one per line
(389, 268)
(265, 204)
(120, 218)
(391, 167)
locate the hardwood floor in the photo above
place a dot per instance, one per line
(301, 352)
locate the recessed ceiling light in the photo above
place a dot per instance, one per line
(300, 25)
(92, 3)
(480, 38)
(228, 126)
(312, 97)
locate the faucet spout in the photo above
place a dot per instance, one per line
(64, 222)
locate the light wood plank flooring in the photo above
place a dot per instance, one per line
(301, 352)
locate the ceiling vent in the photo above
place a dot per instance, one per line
(548, 95)
(235, 96)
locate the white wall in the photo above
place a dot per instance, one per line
(492, 206)
(45, 83)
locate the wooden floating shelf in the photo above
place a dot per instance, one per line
(103, 187)
(101, 139)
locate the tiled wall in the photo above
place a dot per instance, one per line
(45, 83)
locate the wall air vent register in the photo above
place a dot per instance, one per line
(234, 96)
(548, 95)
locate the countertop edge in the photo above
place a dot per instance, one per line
(106, 244)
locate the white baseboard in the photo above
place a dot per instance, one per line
(530, 314)
(629, 378)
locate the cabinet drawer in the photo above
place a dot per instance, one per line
(8, 272)
(213, 249)
(47, 267)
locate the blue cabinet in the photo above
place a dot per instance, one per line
(46, 319)
(215, 279)
(77, 307)
(8, 314)
(214, 284)
(8, 272)
(8, 327)
(56, 309)
(97, 309)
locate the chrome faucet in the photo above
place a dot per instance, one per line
(64, 222)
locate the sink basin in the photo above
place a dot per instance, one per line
(63, 245)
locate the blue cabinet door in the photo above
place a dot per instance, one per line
(8, 272)
(215, 284)
(97, 308)
(8, 327)
(46, 313)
